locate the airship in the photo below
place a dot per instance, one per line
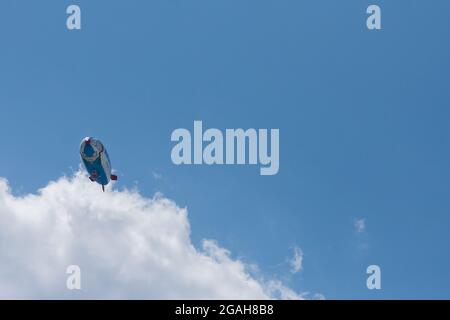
(96, 160)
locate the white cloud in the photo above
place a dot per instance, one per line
(278, 291)
(360, 225)
(126, 245)
(297, 260)
(318, 296)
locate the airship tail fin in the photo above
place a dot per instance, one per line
(113, 177)
(103, 187)
(94, 176)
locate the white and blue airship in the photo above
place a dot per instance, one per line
(96, 160)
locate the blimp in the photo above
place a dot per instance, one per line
(96, 160)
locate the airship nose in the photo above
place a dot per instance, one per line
(88, 150)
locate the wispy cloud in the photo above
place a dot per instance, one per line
(360, 225)
(297, 260)
(318, 296)
(157, 176)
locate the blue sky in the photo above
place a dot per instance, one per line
(363, 118)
